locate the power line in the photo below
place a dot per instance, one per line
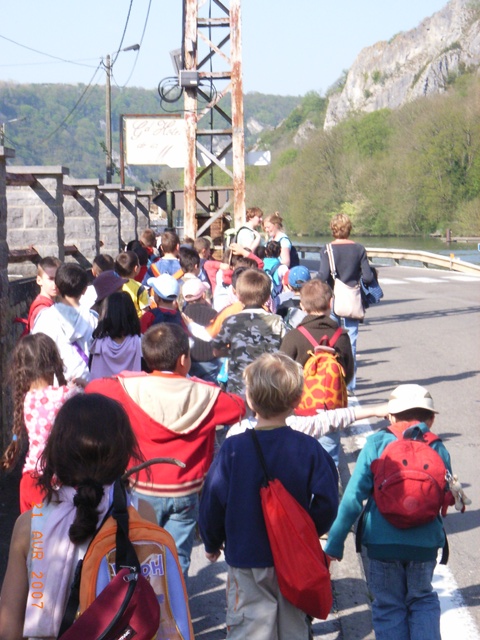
(141, 41)
(24, 46)
(50, 135)
(124, 32)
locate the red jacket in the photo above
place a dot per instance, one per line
(174, 417)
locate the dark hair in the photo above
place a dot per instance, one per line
(170, 241)
(418, 413)
(236, 273)
(90, 445)
(253, 288)
(71, 280)
(118, 317)
(273, 249)
(162, 346)
(104, 262)
(139, 249)
(260, 251)
(125, 263)
(49, 262)
(35, 357)
(189, 259)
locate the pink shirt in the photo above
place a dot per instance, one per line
(39, 410)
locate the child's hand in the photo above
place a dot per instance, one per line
(213, 557)
(78, 382)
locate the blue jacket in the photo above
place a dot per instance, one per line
(382, 540)
(230, 507)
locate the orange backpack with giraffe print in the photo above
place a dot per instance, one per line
(324, 377)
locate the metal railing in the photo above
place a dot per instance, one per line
(401, 256)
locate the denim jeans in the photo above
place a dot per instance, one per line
(405, 605)
(179, 517)
(331, 444)
(206, 370)
(352, 327)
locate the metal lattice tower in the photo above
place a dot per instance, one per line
(212, 69)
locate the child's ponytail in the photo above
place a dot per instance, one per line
(88, 497)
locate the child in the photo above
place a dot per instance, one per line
(165, 294)
(36, 400)
(204, 364)
(46, 271)
(251, 332)
(69, 324)
(272, 266)
(127, 266)
(142, 254)
(189, 263)
(89, 447)
(101, 262)
(401, 561)
(117, 345)
(288, 303)
(169, 263)
(230, 509)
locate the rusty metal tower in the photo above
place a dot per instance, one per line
(212, 70)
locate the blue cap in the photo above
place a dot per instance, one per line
(298, 276)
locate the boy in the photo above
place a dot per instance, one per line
(165, 294)
(46, 271)
(231, 515)
(401, 561)
(288, 303)
(169, 262)
(251, 332)
(127, 265)
(69, 324)
(172, 416)
(316, 301)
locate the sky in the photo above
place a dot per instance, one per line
(289, 48)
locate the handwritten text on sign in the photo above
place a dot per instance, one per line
(155, 141)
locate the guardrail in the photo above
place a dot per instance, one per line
(399, 256)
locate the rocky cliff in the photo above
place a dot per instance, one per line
(412, 64)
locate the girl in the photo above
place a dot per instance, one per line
(89, 447)
(36, 363)
(117, 343)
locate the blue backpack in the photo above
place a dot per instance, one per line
(277, 284)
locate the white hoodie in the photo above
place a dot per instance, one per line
(71, 329)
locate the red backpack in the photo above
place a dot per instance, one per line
(409, 478)
(324, 377)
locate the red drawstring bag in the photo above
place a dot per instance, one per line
(300, 562)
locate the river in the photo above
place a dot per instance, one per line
(461, 250)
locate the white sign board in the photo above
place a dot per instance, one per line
(151, 140)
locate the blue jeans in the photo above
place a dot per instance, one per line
(179, 517)
(331, 444)
(206, 370)
(352, 327)
(405, 605)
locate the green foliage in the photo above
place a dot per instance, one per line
(412, 170)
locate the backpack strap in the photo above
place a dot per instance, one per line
(324, 339)
(412, 432)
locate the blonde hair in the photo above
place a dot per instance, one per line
(315, 296)
(274, 384)
(275, 219)
(341, 226)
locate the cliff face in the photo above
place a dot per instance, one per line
(413, 64)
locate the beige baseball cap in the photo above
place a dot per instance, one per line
(410, 396)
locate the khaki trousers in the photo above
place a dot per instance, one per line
(256, 610)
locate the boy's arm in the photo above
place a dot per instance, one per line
(359, 489)
(325, 421)
(228, 408)
(211, 520)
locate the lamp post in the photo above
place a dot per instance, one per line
(2, 128)
(108, 110)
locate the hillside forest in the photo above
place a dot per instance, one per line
(415, 170)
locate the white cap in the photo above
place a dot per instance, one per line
(410, 396)
(165, 286)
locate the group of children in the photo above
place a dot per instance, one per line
(169, 301)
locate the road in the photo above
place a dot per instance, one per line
(425, 330)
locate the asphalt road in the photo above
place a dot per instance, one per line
(426, 330)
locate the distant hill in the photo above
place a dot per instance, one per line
(58, 124)
(414, 64)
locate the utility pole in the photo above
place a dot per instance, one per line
(108, 120)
